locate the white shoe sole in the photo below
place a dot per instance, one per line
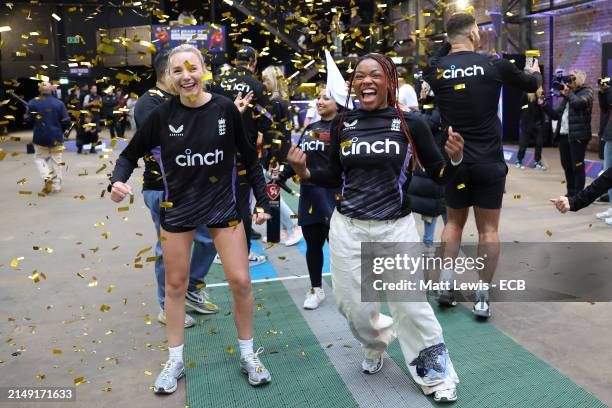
(253, 383)
(170, 391)
(482, 313)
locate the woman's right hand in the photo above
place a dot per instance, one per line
(297, 159)
(119, 191)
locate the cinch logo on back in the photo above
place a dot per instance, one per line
(453, 72)
(312, 146)
(378, 147)
(207, 159)
(175, 131)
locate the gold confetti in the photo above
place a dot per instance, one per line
(213, 179)
(79, 380)
(40, 377)
(346, 143)
(105, 234)
(166, 204)
(110, 288)
(25, 192)
(524, 106)
(347, 346)
(517, 196)
(242, 172)
(131, 198)
(459, 86)
(101, 169)
(107, 389)
(147, 318)
(191, 364)
(148, 373)
(99, 224)
(230, 350)
(15, 261)
(460, 186)
(293, 216)
(104, 308)
(57, 351)
(152, 259)
(93, 283)
(282, 258)
(233, 223)
(123, 209)
(549, 233)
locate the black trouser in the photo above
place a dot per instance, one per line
(243, 205)
(315, 236)
(121, 126)
(572, 159)
(111, 123)
(524, 139)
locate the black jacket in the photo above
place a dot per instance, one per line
(426, 197)
(598, 187)
(579, 116)
(605, 104)
(532, 114)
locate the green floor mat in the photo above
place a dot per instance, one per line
(495, 371)
(302, 375)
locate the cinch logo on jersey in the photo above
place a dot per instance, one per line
(453, 72)
(175, 131)
(378, 147)
(206, 159)
(312, 146)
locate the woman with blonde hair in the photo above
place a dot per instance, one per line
(532, 126)
(195, 137)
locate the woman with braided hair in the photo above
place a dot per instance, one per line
(370, 154)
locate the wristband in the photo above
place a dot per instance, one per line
(454, 163)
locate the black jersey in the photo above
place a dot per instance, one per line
(257, 116)
(467, 86)
(315, 142)
(370, 159)
(196, 149)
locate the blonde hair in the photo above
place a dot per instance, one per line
(580, 74)
(279, 84)
(531, 97)
(186, 48)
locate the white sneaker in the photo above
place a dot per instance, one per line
(604, 215)
(295, 237)
(448, 395)
(314, 297)
(189, 321)
(372, 366)
(609, 220)
(255, 259)
(217, 260)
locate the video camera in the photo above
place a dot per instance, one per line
(603, 81)
(559, 80)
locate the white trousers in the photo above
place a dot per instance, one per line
(49, 163)
(415, 324)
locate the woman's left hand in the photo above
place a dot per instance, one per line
(562, 204)
(261, 217)
(454, 145)
(242, 103)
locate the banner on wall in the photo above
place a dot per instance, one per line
(202, 36)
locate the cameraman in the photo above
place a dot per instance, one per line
(605, 104)
(573, 130)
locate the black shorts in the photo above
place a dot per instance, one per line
(479, 185)
(178, 229)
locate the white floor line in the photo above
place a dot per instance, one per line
(214, 285)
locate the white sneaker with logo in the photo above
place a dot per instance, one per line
(609, 221)
(314, 297)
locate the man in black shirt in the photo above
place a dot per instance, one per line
(467, 87)
(153, 191)
(256, 118)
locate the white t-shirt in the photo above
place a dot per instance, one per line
(407, 96)
(312, 112)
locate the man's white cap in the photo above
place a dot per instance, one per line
(336, 85)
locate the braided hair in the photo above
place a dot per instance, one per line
(390, 72)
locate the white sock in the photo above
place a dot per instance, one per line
(176, 353)
(246, 347)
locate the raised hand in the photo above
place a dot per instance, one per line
(454, 145)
